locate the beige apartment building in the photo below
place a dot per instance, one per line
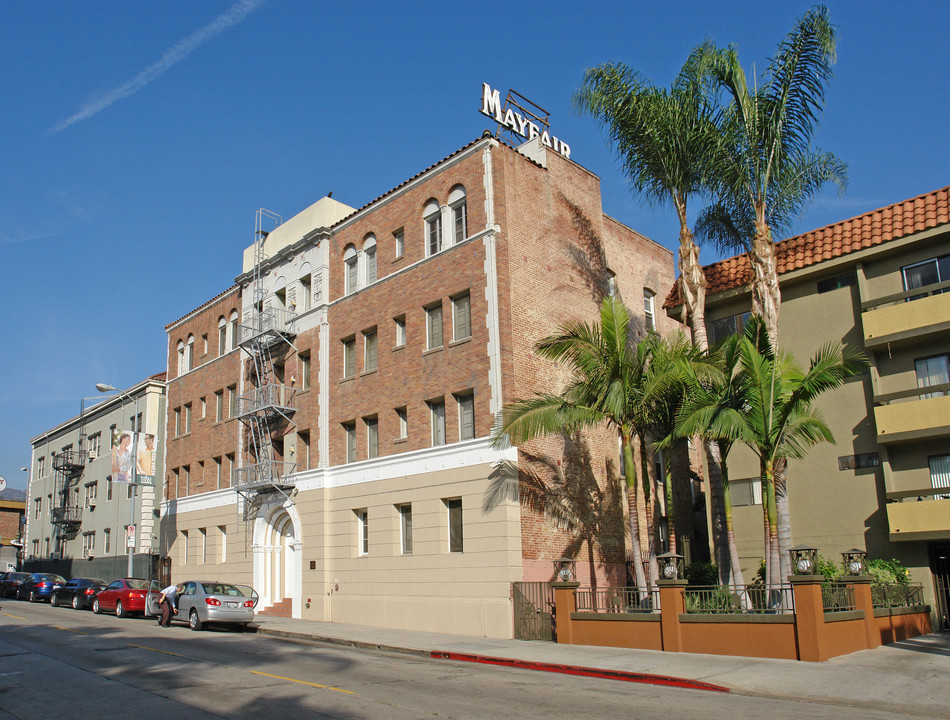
(329, 416)
(879, 282)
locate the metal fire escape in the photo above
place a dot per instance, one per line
(66, 512)
(266, 333)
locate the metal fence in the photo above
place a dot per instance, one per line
(889, 595)
(837, 597)
(727, 600)
(533, 606)
(618, 600)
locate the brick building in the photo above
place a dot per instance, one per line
(329, 415)
(11, 531)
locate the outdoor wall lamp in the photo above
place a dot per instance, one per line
(564, 570)
(803, 559)
(855, 561)
(671, 565)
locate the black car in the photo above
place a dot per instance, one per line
(39, 586)
(10, 583)
(78, 592)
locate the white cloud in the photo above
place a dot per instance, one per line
(174, 55)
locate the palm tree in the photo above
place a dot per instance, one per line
(666, 140)
(775, 416)
(768, 172)
(607, 386)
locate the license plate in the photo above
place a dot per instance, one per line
(232, 604)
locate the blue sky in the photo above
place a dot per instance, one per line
(139, 139)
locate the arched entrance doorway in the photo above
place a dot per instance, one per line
(277, 556)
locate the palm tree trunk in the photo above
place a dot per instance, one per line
(692, 287)
(630, 475)
(650, 503)
(733, 558)
(766, 294)
(775, 578)
(721, 546)
(670, 507)
(784, 517)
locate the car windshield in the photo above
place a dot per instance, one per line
(221, 589)
(53, 578)
(137, 584)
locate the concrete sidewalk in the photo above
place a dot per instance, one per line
(910, 677)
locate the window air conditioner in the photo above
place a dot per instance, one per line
(91, 503)
(92, 455)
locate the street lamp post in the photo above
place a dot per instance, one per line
(131, 530)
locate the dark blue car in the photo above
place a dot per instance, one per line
(39, 586)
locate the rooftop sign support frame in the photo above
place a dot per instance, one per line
(521, 118)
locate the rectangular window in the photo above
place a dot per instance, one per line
(434, 327)
(434, 233)
(372, 437)
(177, 422)
(405, 528)
(466, 405)
(460, 221)
(940, 473)
(41, 466)
(746, 491)
(926, 273)
(88, 544)
(95, 442)
(222, 337)
(369, 350)
(37, 508)
(349, 432)
(304, 371)
(204, 344)
(933, 371)
(187, 418)
(223, 539)
(109, 488)
(231, 469)
(204, 409)
(186, 478)
(184, 547)
(351, 266)
(203, 545)
(232, 401)
(305, 294)
(855, 462)
(724, 327)
(369, 258)
(349, 357)
(400, 323)
(403, 418)
(437, 417)
(219, 406)
(234, 331)
(303, 450)
(461, 317)
(649, 315)
(362, 532)
(399, 240)
(838, 281)
(453, 507)
(217, 473)
(107, 541)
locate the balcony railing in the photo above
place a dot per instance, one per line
(266, 473)
(906, 316)
(69, 461)
(66, 515)
(838, 597)
(267, 326)
(270, 398)
(729, 600)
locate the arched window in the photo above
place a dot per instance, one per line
(190, 353)
(369, 259)
(350, 274)
(432, 216)
(459, 214)
(181, 358)
(222, 335)
(233, 330)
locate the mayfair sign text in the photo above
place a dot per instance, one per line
(517, 123)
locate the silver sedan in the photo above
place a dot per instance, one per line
(202, 602)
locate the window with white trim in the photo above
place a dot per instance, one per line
(933, 371)
(437, 420)
(402, 416)
(434, 326)
(369, 260)
(370, 354)
(349, 357)
(461, 317)
(459, 213)
(349, 434)
(466, 408)
(405, 528)
(400, 323)
(222, 335)
(372, 436)
(940, 473)
(649, 310)
(362, 531)
(399, 240)
(350, 270)
(432, 217)
(453, 508)
(233, 330)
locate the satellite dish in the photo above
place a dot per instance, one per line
(3, 484)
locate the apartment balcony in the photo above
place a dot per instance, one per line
(908, 316)
(919, 514)
(264, 474)
(69, 462)
(266, 328)
(914, 419)
(66, 515)
(268, 400)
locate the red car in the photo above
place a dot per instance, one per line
(125, 596)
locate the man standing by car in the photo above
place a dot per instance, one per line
(167, 604)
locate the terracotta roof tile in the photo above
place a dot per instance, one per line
(841, 238)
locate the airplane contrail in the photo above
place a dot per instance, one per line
(175, 54)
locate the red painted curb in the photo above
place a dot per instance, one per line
(583, 671)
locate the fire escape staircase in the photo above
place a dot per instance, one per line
(68, 467)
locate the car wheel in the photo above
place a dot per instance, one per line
(119, 610)
(75, 602)
(53, 600)
(96, 607)
(33, 597)
(194, 622)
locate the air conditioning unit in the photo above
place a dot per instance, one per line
(93, 455)
(91, 503)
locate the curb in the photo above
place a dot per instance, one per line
(621, 675)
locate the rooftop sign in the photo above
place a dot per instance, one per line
(532, 122)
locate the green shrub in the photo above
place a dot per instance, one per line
(702, 573)
(888, 572)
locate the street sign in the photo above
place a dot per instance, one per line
(131, 531)
(3, 484)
